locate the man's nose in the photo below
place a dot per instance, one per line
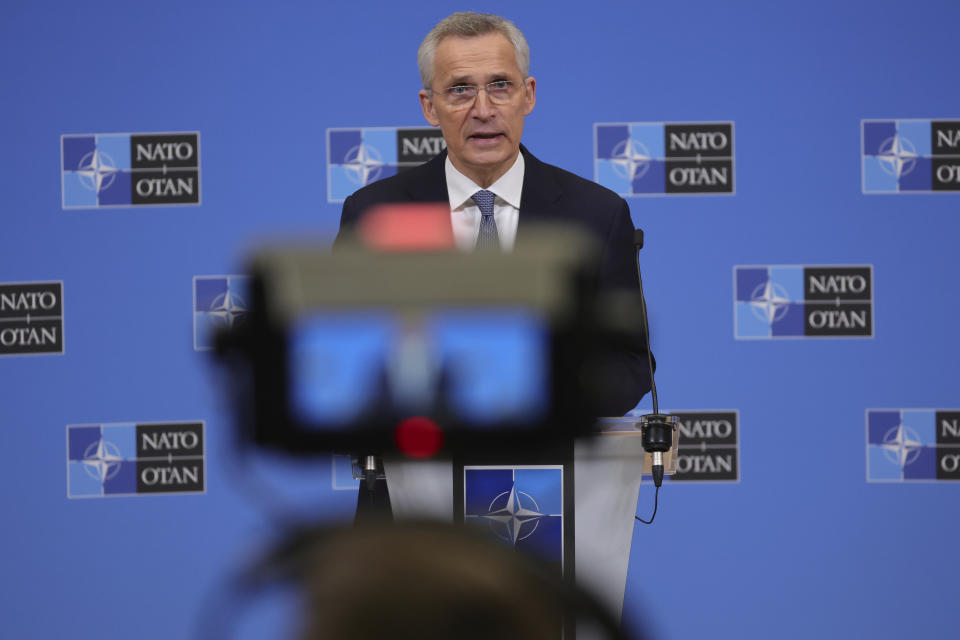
(482, 107)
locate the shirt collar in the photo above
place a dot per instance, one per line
(508, 187)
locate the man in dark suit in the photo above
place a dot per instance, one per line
(477, 89)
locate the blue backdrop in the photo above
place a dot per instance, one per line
(802, 545)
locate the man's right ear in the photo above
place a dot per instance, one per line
(429, 110)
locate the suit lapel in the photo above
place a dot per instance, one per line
(431, 184)
(541, 196)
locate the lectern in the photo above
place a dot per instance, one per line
(573, 505)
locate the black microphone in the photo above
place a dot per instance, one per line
(656, 428)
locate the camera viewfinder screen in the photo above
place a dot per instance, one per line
(482, 366)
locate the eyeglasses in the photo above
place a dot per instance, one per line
(462, 95)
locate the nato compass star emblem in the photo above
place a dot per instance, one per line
(363, 164)
(769, 302)
(513, 515)
(901, 445)
(630, 159)
(218, 304)
(227, 309)
(897, 156)
(96, 171)
(102, 460)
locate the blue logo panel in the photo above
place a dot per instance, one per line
(128, 459)
(608, 137)
(651, 136)
(103, 170)
(875, 133)
(522, 506)
(913, 445)
(794, 301)
(359, 156)
(101, 460)
(624, 157)
(749, 280)
(664, 158)
(650, 181)
(910, 156)
(219, 302)
(90, 166)
(766, 300)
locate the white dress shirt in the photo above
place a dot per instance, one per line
(465, 214)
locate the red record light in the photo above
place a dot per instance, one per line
(418, 437)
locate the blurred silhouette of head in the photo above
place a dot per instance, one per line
(429, 581)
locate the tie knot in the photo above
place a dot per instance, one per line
(484, 200)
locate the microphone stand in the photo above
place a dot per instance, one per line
(656, 428)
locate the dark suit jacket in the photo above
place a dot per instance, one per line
(549, 194)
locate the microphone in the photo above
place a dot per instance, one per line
(370, 471)
(657, 438)
(656, 429)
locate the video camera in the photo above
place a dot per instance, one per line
(433, 351)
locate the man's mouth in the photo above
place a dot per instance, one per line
(485, 136)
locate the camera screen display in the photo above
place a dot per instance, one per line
(482, 367)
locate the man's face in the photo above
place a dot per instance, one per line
(483, 138)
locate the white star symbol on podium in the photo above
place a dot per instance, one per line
(513, 515)
(228, 308)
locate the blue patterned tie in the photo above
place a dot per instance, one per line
(488, 238)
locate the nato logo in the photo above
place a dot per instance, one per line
(663, 158)
(913, 445)
(219, 302)
(522, 505)
(31, 318)
(357, 157)
(787, 301)
(126, 459)
(102, 170)
(910, 156)
(708, 449)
